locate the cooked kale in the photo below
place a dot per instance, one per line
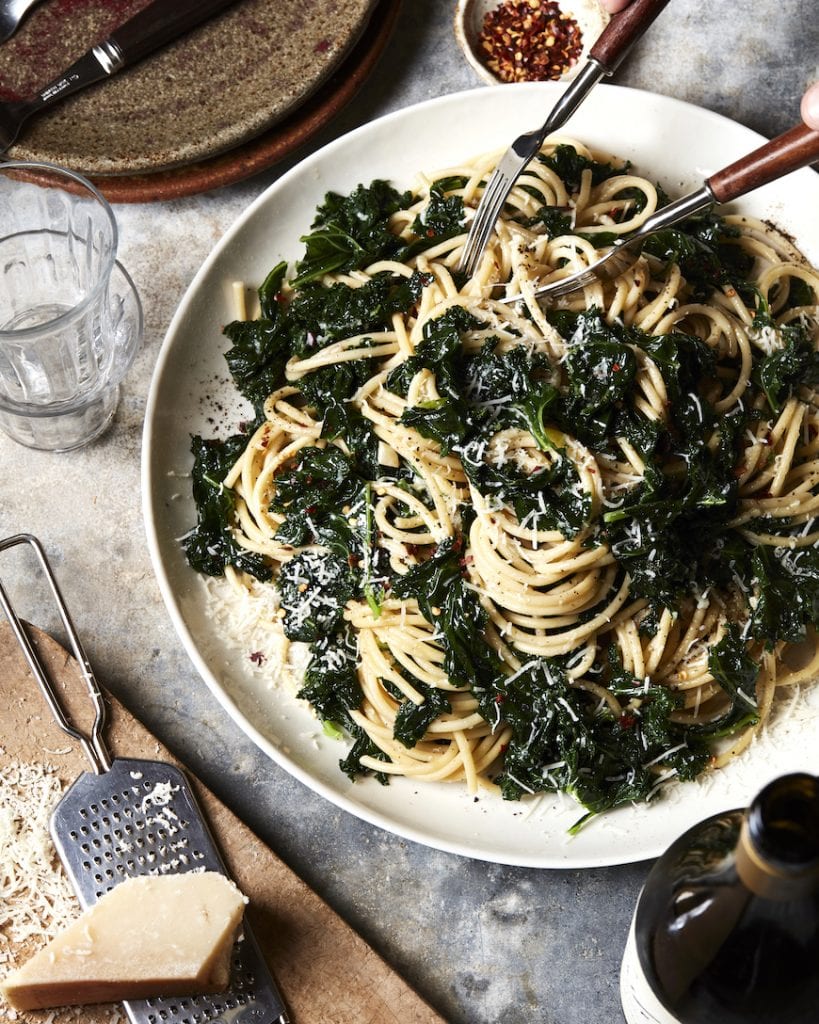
(328, 391)
(317, 316)
(442, 218)
(735, 671)
(563, 741)
(701, 247)
(787, 580)
(440, 350)
(569, 165)
(312, 493)
(260, 347)
(446, 601)
(330, 681)
(413, 720)
(351, 232)
(211, 546)
(794, 365)
(314, 588)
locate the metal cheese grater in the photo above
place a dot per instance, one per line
(138, 817)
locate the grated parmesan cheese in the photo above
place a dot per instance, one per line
(36, 897)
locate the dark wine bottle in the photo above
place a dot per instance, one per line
(726, 930)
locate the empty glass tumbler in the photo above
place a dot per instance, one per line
(70, 317)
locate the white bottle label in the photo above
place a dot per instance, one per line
(640, 1005)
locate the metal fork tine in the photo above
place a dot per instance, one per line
(472, 246)
(494, 196)
(515, 159)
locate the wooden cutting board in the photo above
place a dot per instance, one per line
(326, 972)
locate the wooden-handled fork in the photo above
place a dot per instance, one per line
(605, 56)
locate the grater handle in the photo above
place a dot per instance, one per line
(92, 743)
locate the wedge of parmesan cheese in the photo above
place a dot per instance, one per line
(150, 936)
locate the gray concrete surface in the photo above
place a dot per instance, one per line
(485, 944)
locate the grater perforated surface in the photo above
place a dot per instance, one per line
(141, 817)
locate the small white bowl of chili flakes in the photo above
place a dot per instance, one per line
(528, 40)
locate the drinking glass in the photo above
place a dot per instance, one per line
(70, 316)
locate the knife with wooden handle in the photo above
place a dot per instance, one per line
(148, 30)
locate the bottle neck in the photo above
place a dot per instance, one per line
(777, 856)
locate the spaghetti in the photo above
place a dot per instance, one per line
(531, 549)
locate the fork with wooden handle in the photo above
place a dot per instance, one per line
(614, 42)
(790, 151)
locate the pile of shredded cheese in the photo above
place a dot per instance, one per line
(35, 895)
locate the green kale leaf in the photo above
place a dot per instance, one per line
(562, 741)
(569, 165)
(785, 369)
(350, 232)
(211, 544)
(313, 587)
(787, 584)
(412, 720)
(445, 600)
(736, 672)
(330, 680)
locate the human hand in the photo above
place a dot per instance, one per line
(613, 6)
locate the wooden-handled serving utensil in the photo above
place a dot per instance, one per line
(790, 151)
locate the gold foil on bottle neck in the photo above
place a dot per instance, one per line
(768, 880)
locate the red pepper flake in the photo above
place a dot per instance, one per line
(627, 720)
(616, 367)
(257, 657)
(529, 41)
(322, 46)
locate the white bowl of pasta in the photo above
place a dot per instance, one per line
(552, 596)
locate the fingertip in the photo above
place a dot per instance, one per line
(810, 107)
(613, 6)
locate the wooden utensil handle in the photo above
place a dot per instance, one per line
(788, 152)
(623, 31)
(160, 23)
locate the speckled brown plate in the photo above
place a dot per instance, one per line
(226, 82)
